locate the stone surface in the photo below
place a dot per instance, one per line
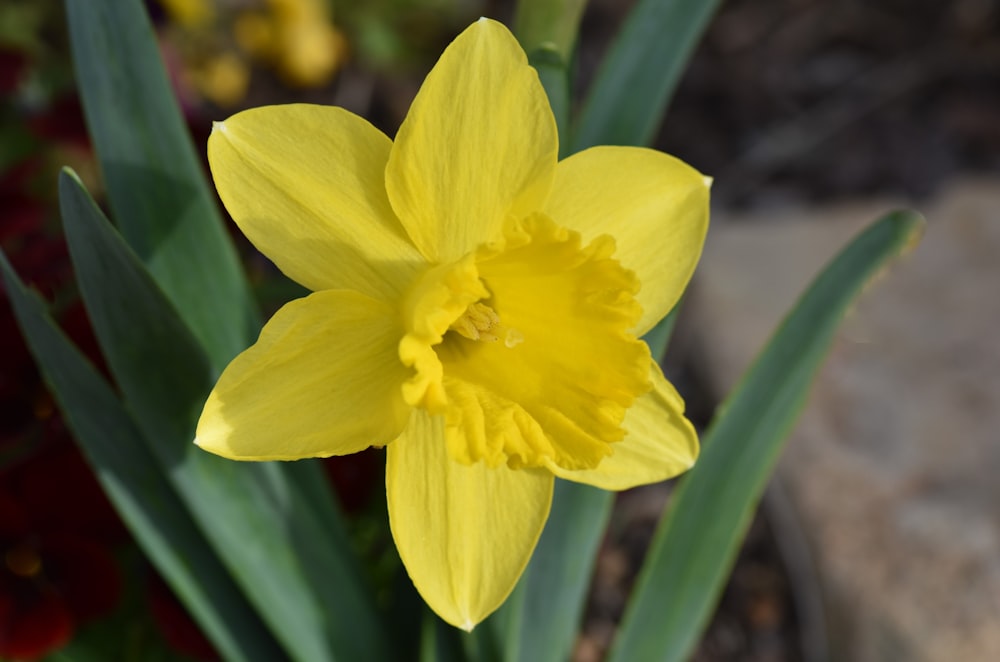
(894, 469)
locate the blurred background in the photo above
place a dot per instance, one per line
(879, 539)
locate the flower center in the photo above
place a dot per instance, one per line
(556, 389)
(478, 322)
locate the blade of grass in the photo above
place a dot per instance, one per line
(155, 182)
(696, 542)
(293, 566)
(132, 479)
(637, 77)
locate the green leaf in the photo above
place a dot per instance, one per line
(439, 642)
(132, 480)
(549, 25)
(543, 615)
(553, 72)
(547, 31)
(658, 338)
(155, 183)
(286, 551)
(637, 77)
(697, 540)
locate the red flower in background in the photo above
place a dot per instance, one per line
(57, 530)
(56, 535)
(13, 66)
(354, 477)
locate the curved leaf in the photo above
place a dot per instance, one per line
(287, 553)
(638, 76)
(155, 182)
(697, 541)
(132, 479)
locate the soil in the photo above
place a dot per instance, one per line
(848, 98)
(813, 100)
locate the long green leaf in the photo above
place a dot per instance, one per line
(697, 541)
(637, 77)
(285, 552)
(553, 71)
(132, 480)
(549, 25)
(155, 182)
(439, 642)
(546, 609)
(547, 31)
(658, 338)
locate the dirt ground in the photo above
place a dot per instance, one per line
(815, 100)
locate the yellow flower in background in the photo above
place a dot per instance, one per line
(223, 79)
(476, 309)
(190, 13)
(297, 37)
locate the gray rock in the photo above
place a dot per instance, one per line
(894, 468)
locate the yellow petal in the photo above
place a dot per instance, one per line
(323, 379)
(659, 443)
(306, 185)
(465, 533)
(478, 143)
(655, 206)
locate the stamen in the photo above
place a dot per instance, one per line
(478, 322)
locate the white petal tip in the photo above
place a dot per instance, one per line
(483, 19)
(468, 625)
(197, 443)
(708, 181)
(218, 126)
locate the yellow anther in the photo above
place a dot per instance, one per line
(478, 322)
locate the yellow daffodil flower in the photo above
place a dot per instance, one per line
(476, 308)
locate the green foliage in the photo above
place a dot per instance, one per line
(697, 541)
(260, 518)
(543, 615)
(134, 482)
(156, 187)
(638, 76)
